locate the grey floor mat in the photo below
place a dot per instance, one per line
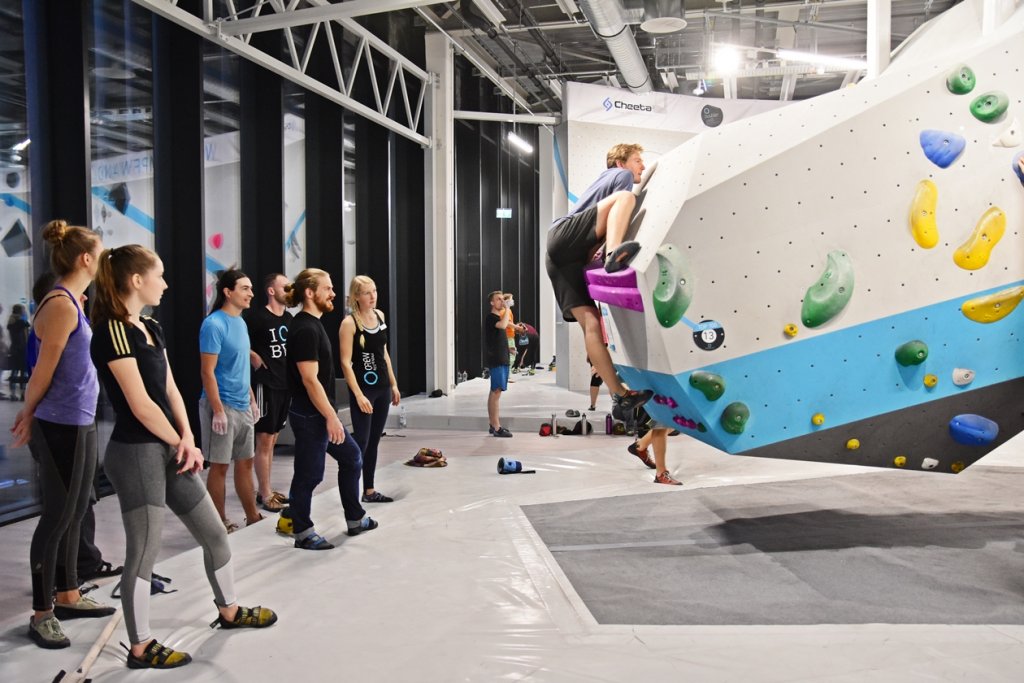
(887, 547)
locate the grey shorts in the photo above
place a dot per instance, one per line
(237, 444)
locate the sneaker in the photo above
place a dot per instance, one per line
(230, 526)
(365, 524)
(592, 408)
(85, 607)
(377, 497)
(644, 456)
(47, 633)
(247, 617)
(313, 542)
(633, 399)
(157, 656)
(275, 502)
(666, 478)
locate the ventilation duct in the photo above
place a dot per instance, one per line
(608, 21)
(663, 16)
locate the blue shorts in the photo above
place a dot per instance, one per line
(499, 378)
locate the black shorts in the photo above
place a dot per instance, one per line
(596, 381)
(570, 246)
(273, 404)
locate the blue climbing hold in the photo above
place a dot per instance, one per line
(973, 430)
(1018, 166)
(942, 148)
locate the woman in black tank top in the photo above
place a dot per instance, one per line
(372, 386)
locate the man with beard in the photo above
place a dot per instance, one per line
(313, 417)
(268, 337)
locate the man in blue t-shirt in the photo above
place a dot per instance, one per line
(227, 406)
(601, 216)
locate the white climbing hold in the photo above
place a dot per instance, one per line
(929, 464)
(962, 376)
(1011, 137)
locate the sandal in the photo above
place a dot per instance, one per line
(621, 257)
(102, 571)
(157, 656)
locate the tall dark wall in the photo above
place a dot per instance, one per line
(491, 253)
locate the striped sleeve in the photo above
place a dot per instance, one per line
(116, 339)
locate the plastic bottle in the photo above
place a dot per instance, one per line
(402, 420)
(585, 425)
(554, 425)
(608, 423)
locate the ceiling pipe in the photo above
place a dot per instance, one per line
(608, 21)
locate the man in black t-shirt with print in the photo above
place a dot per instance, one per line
(313, 417)
(268, 336)
(496, 352)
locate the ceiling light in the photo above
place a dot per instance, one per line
(570, 7)
(663, 16)
(823, 60)
(490, 12)
(22, 145)
(727, 59)
(519, 142)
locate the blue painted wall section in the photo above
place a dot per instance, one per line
(846, 376)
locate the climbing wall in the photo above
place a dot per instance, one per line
(836, 280)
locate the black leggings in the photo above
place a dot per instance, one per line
(66, 455)
(367, 429)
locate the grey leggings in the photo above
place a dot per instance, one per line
(67, 463)
(145, 478)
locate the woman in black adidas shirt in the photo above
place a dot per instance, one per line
(152, 459)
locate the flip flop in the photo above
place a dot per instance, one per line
(621, 257)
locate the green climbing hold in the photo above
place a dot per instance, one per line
(830, 294)
(709, 384)
(961, 81)
(674, 291)
(734, 417)
(990, 106)
(912, 353)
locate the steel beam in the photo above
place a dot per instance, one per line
(540, 120)
(314, 15)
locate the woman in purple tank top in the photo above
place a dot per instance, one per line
(58, 423)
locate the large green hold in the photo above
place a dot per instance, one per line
(912, 353)
(708, 383)
(674, 291)
(990, 106)
(734, 417)
(830, 294)
(961, 81)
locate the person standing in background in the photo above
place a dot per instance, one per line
(372, 387)
(268, 355)
(58, 422)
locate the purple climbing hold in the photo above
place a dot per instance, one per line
(941, 147)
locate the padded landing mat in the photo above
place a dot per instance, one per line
(887, 547)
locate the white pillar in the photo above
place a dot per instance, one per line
(439, 209)
(879, 36)
(549, 182)
(994, 13)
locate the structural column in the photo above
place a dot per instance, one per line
(439, 217)
(178, 195)
(58, 116)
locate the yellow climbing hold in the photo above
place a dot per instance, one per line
(957, 467)
(853, 444)
(975, 252)
(790, 330)
(899, 461)
(818, 419)
(930, 381)
(989, 309)
(922, 215)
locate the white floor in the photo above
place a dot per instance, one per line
(456, 586)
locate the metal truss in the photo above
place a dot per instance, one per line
(403, 76)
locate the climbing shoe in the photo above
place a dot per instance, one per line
(47, 633)
(157, 656)
(247, 617)
(365, 524)
(314, 542)
(85, 607)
